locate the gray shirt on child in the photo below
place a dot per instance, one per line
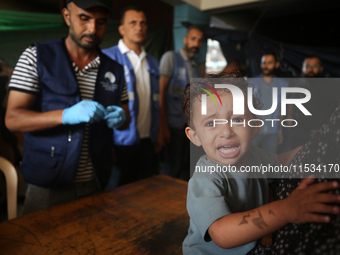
(212, 195)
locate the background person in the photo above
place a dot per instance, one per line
(271, 134)
(61, 98)
(176, 69)
(324, 99)
(141, 75)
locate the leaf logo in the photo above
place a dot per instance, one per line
(213, 90)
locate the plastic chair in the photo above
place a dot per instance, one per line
(11, 177)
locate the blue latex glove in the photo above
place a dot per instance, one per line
(83, 112)
(115, 116)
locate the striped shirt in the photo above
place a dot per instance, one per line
(25, 78)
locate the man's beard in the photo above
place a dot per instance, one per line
(268, 71)
(83, 45)
(191, 53)
(79, 42)
(312, 75)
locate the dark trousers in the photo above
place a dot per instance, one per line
(39, 198)
(136, 162)
(177, 155)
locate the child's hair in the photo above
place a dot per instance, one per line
(193, 90)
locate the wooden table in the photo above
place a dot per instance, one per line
(146, 217)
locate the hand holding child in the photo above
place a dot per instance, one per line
(310, 203)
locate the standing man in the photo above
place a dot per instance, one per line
(324, 99)
(135, 146)
(65, 95)
(312, 67)
(176, 69)
(271, 133)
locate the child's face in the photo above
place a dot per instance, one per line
(223, 144)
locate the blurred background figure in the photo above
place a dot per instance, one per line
(324, 99)
(141, 75)
(271, 133)
(176, 69)
(312, 67)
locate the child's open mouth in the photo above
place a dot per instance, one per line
(229, 151)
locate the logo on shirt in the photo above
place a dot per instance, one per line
(110, 76)
(109, 82)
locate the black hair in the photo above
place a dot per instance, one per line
(271, 53)
(194, 27)
(129, 8)
(313, 56)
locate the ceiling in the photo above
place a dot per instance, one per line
(205, 5)
(311, 22)
(305, 22)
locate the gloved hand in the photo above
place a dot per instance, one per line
(83, 112)
(115, 117)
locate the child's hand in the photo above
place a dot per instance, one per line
(308, 202)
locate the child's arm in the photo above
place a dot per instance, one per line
(302, 206)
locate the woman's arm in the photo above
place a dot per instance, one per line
(304, 205)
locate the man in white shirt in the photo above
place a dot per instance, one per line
(135, 146)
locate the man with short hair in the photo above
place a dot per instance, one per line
(66, 96)
(176, 69)
(271, 133)
(312, 67)
(324, 99)
(141, 74)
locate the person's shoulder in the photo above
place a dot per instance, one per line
(110, 49)
(50, 48)
(49, 42)
(168, 54)
(29, 56)
(166, 63)
(32, 49)
(112, 62)
(255, 80)
(112, 52)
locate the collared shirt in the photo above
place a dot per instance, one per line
(143, 87)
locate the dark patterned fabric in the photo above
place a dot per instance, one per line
(310, 238)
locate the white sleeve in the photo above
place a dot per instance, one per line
(25, 75)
